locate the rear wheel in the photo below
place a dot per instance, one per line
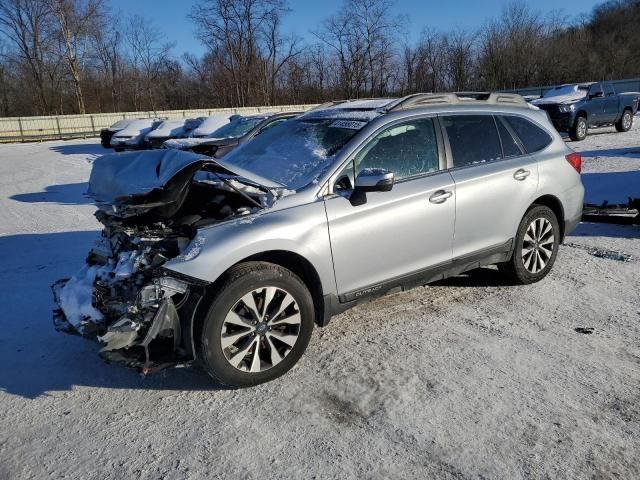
(579, 129)
(536, 248)
(258, 326)
(625, 122)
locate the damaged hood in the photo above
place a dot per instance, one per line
(118, 176)
(128, 184)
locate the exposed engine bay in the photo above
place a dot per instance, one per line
(122, 296)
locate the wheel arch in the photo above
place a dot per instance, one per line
(292, 261)
(555, 205)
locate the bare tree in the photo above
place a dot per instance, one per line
(76, 19)
(149, 53)
(107, 48)
(279, 50)
(27, 24)
(459, 48)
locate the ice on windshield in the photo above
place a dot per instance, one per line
(237, 128)
(296, 152)
(564, 93)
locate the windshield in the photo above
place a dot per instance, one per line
(237, 128)
(567, 90)
(296, 152)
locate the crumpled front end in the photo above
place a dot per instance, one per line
(123, 298)
(152, 205)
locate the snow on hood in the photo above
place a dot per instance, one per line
(185, 143)
(136, 127)
(211, 124)
(563, 94)
(124, 175)
(168, 128)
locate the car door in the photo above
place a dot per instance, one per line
(494, 184)
(610, 104)
(397, 233)
(595, 105)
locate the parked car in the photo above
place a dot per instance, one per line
(107, 133)
(232, 261)
(133, 135)
(172, 128)
(241, 129)
(574, 108)
(210, 125)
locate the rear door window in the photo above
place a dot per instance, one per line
(473, 139)
(532, 137)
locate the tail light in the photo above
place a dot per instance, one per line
(575, 159)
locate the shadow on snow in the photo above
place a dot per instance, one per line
(36, 360)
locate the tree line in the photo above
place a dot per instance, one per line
(77, 56)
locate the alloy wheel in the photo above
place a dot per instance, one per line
(537, 245)
(260, 329)
(582, 129)
(626, 120)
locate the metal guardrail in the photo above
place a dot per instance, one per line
(28, 129)
(621, 86)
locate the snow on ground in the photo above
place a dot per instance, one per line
(467, 378)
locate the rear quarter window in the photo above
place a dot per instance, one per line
(532, 137)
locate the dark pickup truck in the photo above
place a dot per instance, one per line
(573, 108)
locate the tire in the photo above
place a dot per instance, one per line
(244, 326)
(524, 269)
(625, 122)
(579, 130)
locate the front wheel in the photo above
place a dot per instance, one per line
(536, 248)
(625, 122)
(258, 325)
(579, 130)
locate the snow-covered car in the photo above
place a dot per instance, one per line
(133, 135)
(239, 130)
(210, 125)
(233, 261)
(107, 133)
(172, 128)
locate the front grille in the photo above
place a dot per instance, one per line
(550, 108)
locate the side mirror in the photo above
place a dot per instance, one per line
(370, 180)
(597, 95)
(374, 180)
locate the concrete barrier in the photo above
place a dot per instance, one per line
(28, 129)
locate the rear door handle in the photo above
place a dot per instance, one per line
(521, 174)
(440, 196)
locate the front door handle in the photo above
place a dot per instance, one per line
(521, 174)
(440, 196)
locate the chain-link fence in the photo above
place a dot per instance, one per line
(25, 129)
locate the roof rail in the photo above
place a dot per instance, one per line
(328, 104)
(426, 99)
(332, 103)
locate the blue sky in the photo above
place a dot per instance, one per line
(170, 15)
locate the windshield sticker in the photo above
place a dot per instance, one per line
(351, 124)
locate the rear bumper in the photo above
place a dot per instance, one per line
(571, 224)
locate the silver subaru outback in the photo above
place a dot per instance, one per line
(232, 261)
